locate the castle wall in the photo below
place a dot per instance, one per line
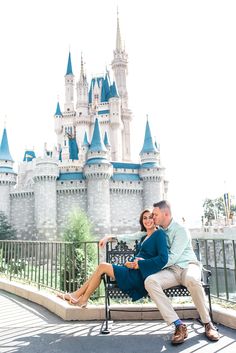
(99, 205)
(4, 199)
(69, 199)
(45, 208)
(126, 206)
(22, 214)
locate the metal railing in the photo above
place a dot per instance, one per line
(219, 256)
(64, 266)
(59, 266)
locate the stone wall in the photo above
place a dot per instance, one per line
(22, 214)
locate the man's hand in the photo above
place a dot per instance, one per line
(104, 240)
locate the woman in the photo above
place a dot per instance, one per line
(151, 257)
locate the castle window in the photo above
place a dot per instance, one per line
(80, 181)
(6, 173)
(71, 182)
(62, 182)
(68, 109)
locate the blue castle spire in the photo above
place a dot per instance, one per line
(85, 142)
(4, 148)
(97, 143)
(106, 140)
(58, 110)
(148, 145)
(73, 149)
(69, 66)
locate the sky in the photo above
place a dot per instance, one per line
(182, 74)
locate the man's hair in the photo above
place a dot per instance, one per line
(162, 205)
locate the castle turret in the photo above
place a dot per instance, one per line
(98, 172)
(151, 171)
(82, 92)
(107, 145)
(120, 69)
(116, 124)
(7, 175)
(45, 202)
(69, 87)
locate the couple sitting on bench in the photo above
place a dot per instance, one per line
(165, 258)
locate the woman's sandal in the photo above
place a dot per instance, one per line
(68, 297)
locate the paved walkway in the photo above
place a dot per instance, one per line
(26, 327)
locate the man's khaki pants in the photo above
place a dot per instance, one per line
(174, 275)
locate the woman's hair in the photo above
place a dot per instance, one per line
(143, 229)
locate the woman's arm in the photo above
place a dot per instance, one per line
(150, 266)
(123, 237)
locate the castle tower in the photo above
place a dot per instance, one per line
(107, 145)
(45, 197)
(120, 69)
(82, 92)
(116, 124)
(7, 175)
(151, 171)
(98, 172)
(58, 125)
(69, 87)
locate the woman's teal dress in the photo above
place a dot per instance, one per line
(154, 251)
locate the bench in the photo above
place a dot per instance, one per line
(118, 253)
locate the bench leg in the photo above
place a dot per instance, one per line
(105, 326)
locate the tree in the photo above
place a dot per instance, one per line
(215, 209)
(7, 232)
(79, 231)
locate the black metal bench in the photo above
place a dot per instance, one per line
(118, 253)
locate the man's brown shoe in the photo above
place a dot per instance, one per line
(211, 332)
(180, 334)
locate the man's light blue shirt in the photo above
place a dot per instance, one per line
(179, 242)
(180, 245)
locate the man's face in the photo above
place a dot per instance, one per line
(158, 216)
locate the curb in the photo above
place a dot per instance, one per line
(64, 310)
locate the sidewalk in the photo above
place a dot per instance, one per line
(26, 327)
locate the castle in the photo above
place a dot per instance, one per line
(91, 166)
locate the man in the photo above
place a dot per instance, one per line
(182, 268)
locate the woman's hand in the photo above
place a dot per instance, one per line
(104, 240)
(132, 265)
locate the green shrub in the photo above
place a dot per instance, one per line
(80, 261)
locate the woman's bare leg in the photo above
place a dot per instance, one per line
(93, 283)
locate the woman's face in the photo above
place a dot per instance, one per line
(148, 221)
